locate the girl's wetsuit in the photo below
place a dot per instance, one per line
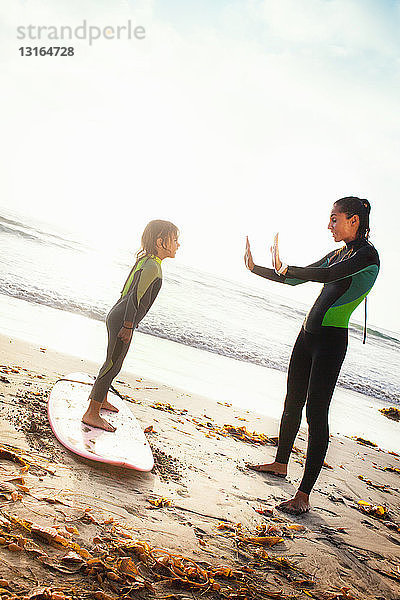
(137, 296)
(348, 275)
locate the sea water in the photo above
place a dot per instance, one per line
(205, 334)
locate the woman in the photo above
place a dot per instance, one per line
(348, 274)
(159, 241)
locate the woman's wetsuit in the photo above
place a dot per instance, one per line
(348, 275)
(137, 296)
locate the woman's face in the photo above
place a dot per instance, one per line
(343, 228)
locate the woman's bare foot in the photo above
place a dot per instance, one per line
(275, 468)
(297, 505)
(94, 420)
(108, 406)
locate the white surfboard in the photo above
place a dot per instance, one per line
(126, 447)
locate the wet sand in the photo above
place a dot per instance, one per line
(335, 551)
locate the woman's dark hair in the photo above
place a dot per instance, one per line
(153, 231)
(351, 205)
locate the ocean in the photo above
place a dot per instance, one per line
(194, 308)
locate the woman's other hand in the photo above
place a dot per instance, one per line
(125, 333)
(276, 261)
(248, 258)
(279, 267)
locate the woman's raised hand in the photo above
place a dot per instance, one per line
(276, 261)
(248, 258)
(279, 266)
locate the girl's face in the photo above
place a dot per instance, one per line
(343, 228)
(171, 246)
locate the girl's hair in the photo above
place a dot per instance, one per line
(152, 232)
(351, 205)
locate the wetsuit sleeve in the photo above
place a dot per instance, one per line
(140, 297)
(346, 268)
(289, 280)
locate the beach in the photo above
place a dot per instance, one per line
(219, 143)
(200, 503)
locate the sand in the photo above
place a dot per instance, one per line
(210, 502)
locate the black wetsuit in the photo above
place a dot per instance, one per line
(138, 294)
(348, 275)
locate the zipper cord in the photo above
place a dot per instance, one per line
(365, 320)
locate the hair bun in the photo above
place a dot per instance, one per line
(366, 204)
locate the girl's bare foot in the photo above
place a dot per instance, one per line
(275, 468)
(297, 505)
(108, 406)
(94, 420)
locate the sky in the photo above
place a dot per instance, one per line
(229, 118)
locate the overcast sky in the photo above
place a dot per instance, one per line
(229, 118)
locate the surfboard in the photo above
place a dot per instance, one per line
(125, 447)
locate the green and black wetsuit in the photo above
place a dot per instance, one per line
(137, 296)
(348, 275)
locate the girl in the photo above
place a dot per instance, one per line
(159, 241)
(348, 274)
